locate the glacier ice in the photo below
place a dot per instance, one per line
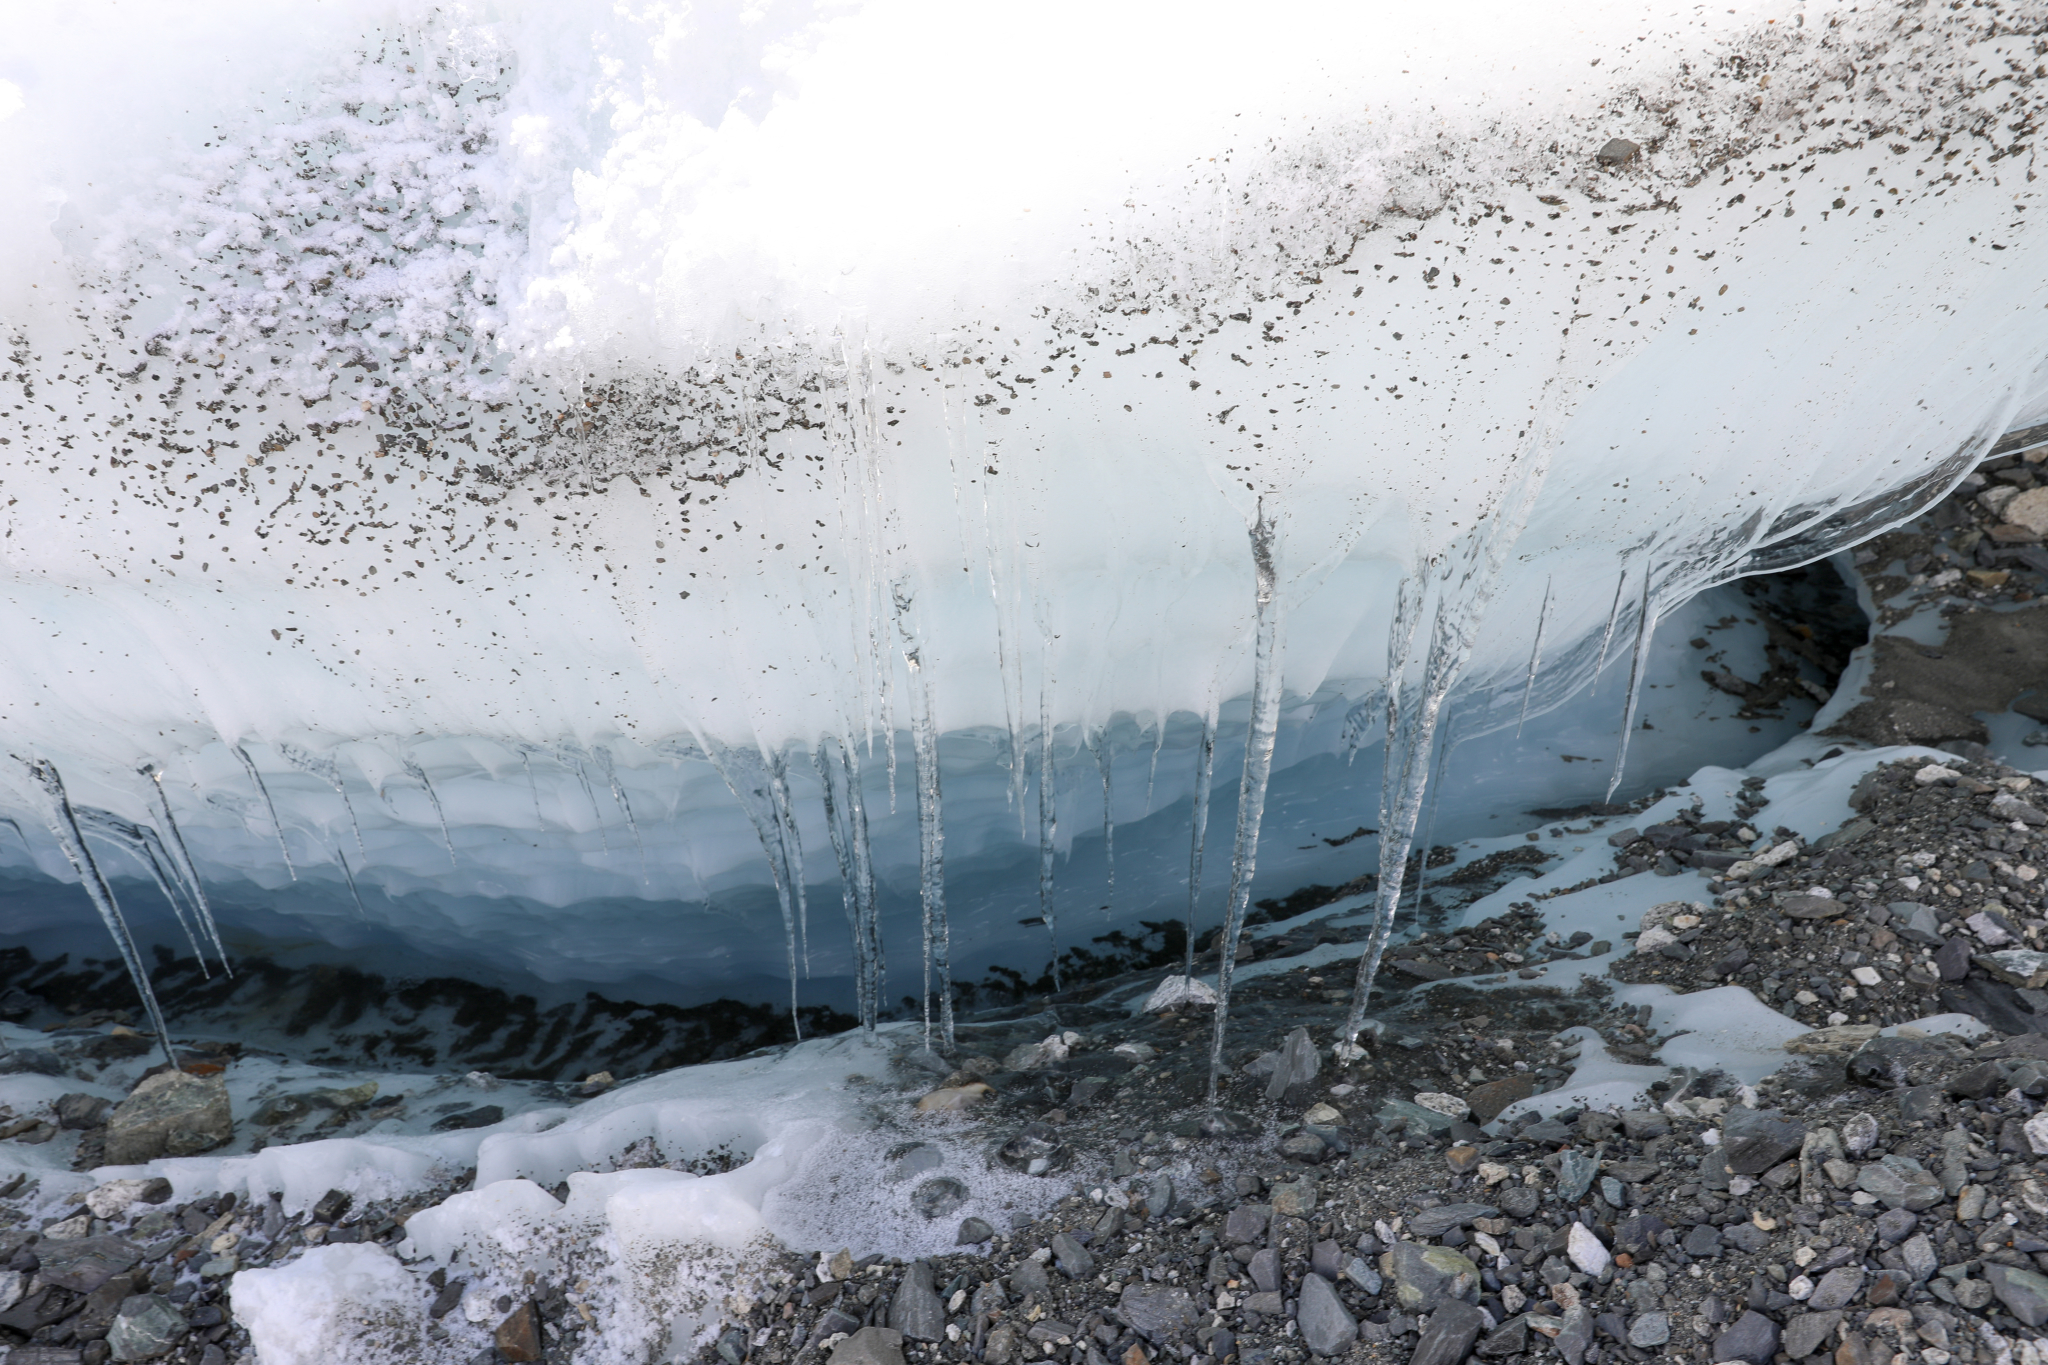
(437, 403)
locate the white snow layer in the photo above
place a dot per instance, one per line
(494, 420)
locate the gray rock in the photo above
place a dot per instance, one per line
(1157, 1311)
(1837, 1289)
(1576, 1335)
(1441, 1219)
(1073, 1258)
(148, 1326)
(1511, 1338)
(169, 1114)
(1649, 1329)
(2023, 1292)
(1754, 1142)
(1035, 1150)
(1921, 925)
(1448, 1337)
(937, 1197)
(1363, 1275)
(1919, 1256)
(1296, 1066)
(1900, 1183)
(1326, 1258)
(1896, 1225)
(1575, 1172)
(1326, 1325)
(1807, 1332)
(483, 1116)
(1247, 1224)
(1746, 1237)
(1028, 1278)
(83, 1264)
(1295, 1198)
(1264, 1269)
(1618, 151)
(915, 1311)
(1703, 1239)
(77, 1112)
(1413, 1117)
(1859, 1134)
(1641, 1124)
(869, 1346)
(1519, 1201)
(916, 1161)
(1753, 1337)
(973, 1232)
(1427, 1277)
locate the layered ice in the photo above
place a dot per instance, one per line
(505, 467)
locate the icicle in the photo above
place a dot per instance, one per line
(189, 871)
(1258, 767)
(746, 777)
(1535, 659)
(328, 771)
(611, 775)
(1048, 825)
(249, 767)
(1152, 770)
(838, 824)
(1435, 798)
(1613, 617)
(350, 877)
(572, 757)
(532, 787)
(1205, 771)
(1102, 763)
(64, 824)
(931, 860)
(864, 874)
(141, 843)
(419, 775)
(1646, 626)
(792, 848)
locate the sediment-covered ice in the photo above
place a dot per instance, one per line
(458, 449)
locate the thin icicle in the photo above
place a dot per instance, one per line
(746, 777)
(419, 775)
(1048, 826)
(1205, 771)
(839, 824)
(1646, 626)
(1535, 659)
(1613, 617)
(532, 787)
(1434, 800)
(611, 776)
(174, 838)
(1103, 761)
(931, 860)
(64, 825)
(572, 757)
(1258, 768)
(249, 767)
(350, 877)
(328, 771)
(1152, 771)
(792, 848)
(142, 844)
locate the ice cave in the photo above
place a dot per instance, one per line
(1250, 684)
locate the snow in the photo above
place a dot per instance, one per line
(338, 1305)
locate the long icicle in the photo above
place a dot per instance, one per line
(611, 775)
(349, 876)
(864, 873)
(842, 849)
(746, 778)
(141, 843)
(249, 767)
(1613, 618)
(419, 775)
(792, 848)
(1205, 772)
(1251, 792)
(175, 839)
(1048, 826)
(328, 771)
(1535, 659)
(1434, 800)
(1646, 626)
(64, 824)
(1102, 763)
(931, 860)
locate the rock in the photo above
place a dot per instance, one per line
(1754, 1142)
(1753, 1338)
(148, 1327)
(2022, 967)
(1364, 1276)
(1296, 1066)
(1031, 1056)
(1586, 1250)
(1837, 1289)
(483, 1116)
(1703, 1239)
(1648, 1330)
(1511, 1338)
(1326, 1325)
(1180, 992)
(873, 1346)
(78, 1112)
(1900, 1183)
(114, 1198)
(954, 1099)
(1294, 1199)
(1920, 925)
(1807, 1332)
(1414, 1117)
(169, 1114)
(914, 1161)
(1158, 1311)
(1035, 1150)
(1952, 961)
(1810, 907)
(1073, 1258)
(1486, 1101)
(1617, 151)
(1519, 1201)
(1859, 1134)
(915, 1311)
(1638, 1235)
(973, 1232)
(332, 1206)
(1451, 1106)
(1575, 1335)
(2036, 1130)
(1441, 1219)
(1449, 1335)
(1918, 1254)
(1264, 1268)
(1839, 1041)
(1896, 1225)
(292, 1108)
(1247, 1224)
(2023, 1292)
(1575, 1172)
(1029, 1278)
(937, 1197)
(1427, 1277)
(518, 1336)
(83, 1264)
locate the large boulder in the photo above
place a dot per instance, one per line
(169, 1114)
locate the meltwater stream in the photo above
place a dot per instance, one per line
(507, 480)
